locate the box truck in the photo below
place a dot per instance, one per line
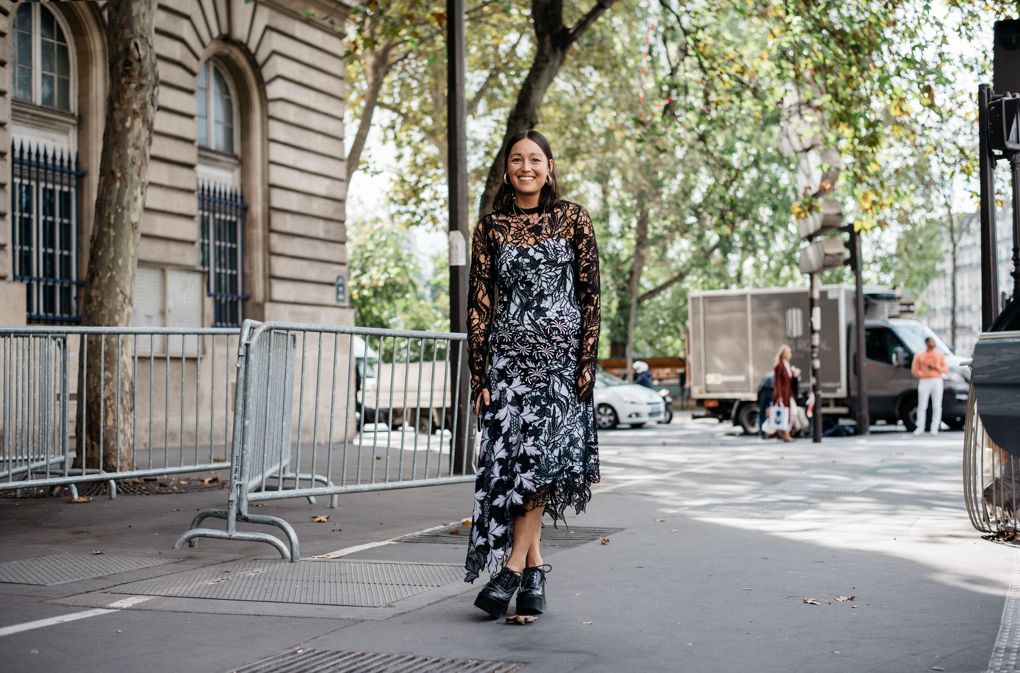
(734, 335)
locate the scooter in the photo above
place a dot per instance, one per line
(667, 400)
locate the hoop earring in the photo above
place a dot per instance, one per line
(506, 179)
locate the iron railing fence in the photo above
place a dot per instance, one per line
(45, 231)
(221, 216)
(331, 410)
(82, 404)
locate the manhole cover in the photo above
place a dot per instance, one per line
(326, 661)
(560, 536)
(369, 584)
(834, 486)
(748, 510)
(64, 568)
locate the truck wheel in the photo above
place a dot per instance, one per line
(747, 419)
(605, 417)
(908, 414)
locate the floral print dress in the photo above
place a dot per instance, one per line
(533, 312)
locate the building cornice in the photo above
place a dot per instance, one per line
(328, 15)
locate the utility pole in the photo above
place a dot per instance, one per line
(856, 262)
(456, 115)
(816, 361)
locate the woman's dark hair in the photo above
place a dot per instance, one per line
(503, 203)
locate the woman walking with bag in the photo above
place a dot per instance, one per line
(533, 328)
(782, 392)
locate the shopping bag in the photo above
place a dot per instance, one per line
(779, 415)
(767, 426)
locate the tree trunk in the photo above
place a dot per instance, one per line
(105, 386)
(637, 267)
(377, 66)
(552, 41)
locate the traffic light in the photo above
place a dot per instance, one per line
(825, 253)
(817, 172)
(1004, 123)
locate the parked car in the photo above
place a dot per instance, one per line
(617, 401)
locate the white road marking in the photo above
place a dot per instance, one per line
(74, 616)
(372, 545)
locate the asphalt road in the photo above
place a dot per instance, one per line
(730, 554)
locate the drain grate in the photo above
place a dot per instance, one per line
(64, 568)
(369, 584)
(748, 510)
(327, 661)
(556, 537)
(834, 486)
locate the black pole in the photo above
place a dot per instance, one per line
(1014, 164)
(815, 312)
(989, 256)
(456, 114)
(863, 416)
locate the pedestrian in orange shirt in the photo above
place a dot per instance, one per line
(929, 367)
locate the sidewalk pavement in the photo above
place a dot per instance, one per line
(731, 554)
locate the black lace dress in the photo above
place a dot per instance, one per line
(533, 314)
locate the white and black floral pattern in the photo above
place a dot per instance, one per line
(533, 339)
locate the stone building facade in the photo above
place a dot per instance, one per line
(244, 210)
(938, 297)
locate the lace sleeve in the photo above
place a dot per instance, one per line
(480, 302)
(589, 297)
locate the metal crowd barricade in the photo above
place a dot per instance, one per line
(169, 404)
(332, 410)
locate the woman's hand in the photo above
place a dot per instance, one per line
(483, 398)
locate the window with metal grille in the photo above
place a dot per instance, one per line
(44, 224)
(221, 214)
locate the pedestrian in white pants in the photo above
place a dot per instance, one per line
(929, 388)
(929, 367)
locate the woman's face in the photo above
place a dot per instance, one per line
(527, 167)
(787, 354)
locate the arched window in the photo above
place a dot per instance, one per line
(221, 205)
(45, 172)
(42, 60)
(215, 109)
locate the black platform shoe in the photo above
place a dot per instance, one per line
(496, 595)
(531, 597)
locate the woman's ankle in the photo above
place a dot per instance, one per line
(515, 566)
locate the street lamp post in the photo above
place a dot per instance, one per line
(456, 114)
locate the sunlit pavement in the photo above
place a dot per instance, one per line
(731, 554)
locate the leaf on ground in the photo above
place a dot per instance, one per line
(659, 520)
(211, 480)
(97, 552)
(465, 522)
(937, 668)
(78, 501)
(455, 532)
(320, 518)
(605, 540)
(812, 601)
(523, 620)
(843, 599)
(588, 622)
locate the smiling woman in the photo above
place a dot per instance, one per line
(533, 317)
